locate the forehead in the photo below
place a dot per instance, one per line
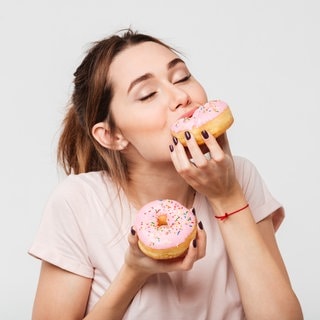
(146, 57)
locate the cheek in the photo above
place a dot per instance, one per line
(199, 93)
(147, 133)
(148, 121)
(143, 126)
(152, 147)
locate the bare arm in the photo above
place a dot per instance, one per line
(64, 295)
(262, 279)
(60, 294)
(114, 303)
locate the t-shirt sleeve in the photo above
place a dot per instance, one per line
(59, 239)
(261, 201)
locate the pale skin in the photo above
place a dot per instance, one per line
(164, 93)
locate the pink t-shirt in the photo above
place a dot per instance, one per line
(84, 230)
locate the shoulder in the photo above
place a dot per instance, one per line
(257, 193)
(84, 182)
(246, 171)
(248, 176)
(243, 164)
(80, 189)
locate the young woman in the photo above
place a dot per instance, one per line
(118, 152)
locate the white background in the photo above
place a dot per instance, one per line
(262, 57)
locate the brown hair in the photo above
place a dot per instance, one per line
(78, 151)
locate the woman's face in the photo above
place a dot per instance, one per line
(152, 89)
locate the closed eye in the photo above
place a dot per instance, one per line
(186, 78)
(147, 96)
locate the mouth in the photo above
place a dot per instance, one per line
(188, 114)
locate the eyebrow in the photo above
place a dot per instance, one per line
(147, 76)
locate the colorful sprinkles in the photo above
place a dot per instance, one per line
(180, 222)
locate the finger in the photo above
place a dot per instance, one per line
(197, 248)
(133, 239)
(187, 169)
(191, 256)
(201, 241)
(216, 152)
(224, 143)
(198, 157)
(179, 157)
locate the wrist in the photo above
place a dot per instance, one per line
(226, 215)
(139, 275)
(230, 203)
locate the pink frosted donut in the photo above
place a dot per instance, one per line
(215, 117)
(165, 229)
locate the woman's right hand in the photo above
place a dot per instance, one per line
(144, 265)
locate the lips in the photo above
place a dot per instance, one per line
(188, 114)
(199, 119)
(197, 116)
(186, 120)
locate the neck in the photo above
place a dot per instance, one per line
(148, 185)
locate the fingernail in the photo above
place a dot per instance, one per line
(205, 134)
(175, 140)
(194, 243)
(200, 225)
(187, 135)
(194, 211)
(171, 147)
(133, 232)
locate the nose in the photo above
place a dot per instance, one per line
(179, 98)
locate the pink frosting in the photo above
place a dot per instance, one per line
(202, 115)
(180, 223)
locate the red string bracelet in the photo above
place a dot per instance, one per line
(226, 215)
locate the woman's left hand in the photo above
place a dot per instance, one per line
(215, 177)
(144, 266)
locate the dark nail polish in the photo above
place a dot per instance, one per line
(187, 135)
(200, 225)
(171, 147)
(194, 243)
(175, 140)
(133, 232)
(194, 211)
(205, 134)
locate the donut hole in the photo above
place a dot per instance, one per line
(162, 220)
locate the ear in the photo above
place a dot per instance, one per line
(101, 132)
